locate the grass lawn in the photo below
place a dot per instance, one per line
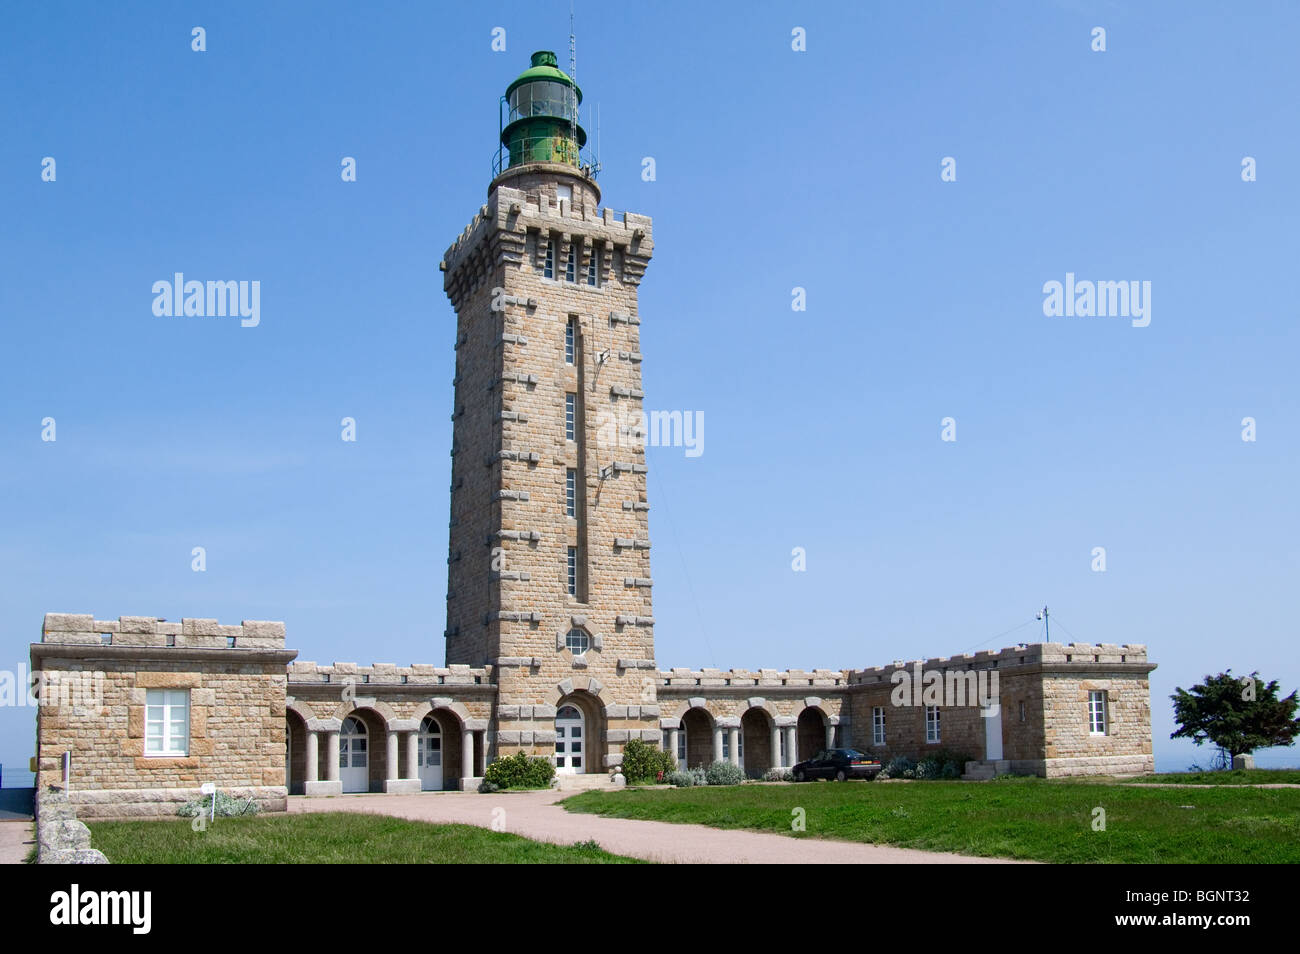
(1231, 777)
(328, 838)
(1025, 818)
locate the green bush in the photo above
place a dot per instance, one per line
(681, 779)
(900, 766)
(724, 773)
(520, 771)
(778, 775)
(644, 764)
(227, 807)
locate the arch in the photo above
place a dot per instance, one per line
(698, 725)
(756, 725)
(451, 726)
(454, 709)
(295, 751)
(810, 732)
(376, 761)
(347, 706)
(430, 761)
(594, 749)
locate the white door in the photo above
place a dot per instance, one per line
(430, 755)
(992, 732)
(354, 768)
(570, 741)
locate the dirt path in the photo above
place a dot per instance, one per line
(535, 815)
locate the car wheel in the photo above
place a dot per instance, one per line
(840, 776)
(799, 776)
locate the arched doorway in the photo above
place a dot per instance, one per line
(429, 754)
(295, 752)
(570, 741)
(697, 735)
(354, 762)
(811, 733)
(756, 742)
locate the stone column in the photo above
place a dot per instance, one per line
(717, 743)
(390, 766)
(830, 735)
(412, 753)
(733, 741)
(791, 745)
(776, 747)
(313, 756)
(332, 755)
(467, 753)
(672, 744)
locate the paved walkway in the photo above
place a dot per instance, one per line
(16, 840)
(535, 815)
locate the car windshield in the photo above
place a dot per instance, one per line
(851, 754)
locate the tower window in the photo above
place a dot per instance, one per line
(573, 571)
(577, 642)
(570, 416)
(878, 725)
(593, 266)
(571, 263)
(548, 267)
(570, 493)
(570, 340)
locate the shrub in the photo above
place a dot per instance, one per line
(778, 775)
(724, 773)
(520, 771)
(644, 764)
(900, 766)
(227, 806)
(700, 775)
(487, 788)
(680, 779)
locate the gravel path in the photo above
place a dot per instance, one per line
(15, 841)
(535, 815)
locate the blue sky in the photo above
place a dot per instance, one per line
(774, 169)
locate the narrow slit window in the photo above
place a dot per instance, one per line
(570, 416)
(593, 266)
(571, 263)
(548, 267)
(570, 493)
(573, 571)
(570, 340)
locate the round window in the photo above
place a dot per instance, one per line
(577, 642)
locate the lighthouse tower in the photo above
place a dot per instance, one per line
(548, 569)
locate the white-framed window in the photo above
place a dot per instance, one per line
(570, 416)
(571, 263)
(571, 492)
(548, 266)
(726, 745)
(167, 722)
(573, 571)
(570, 339)
(1022, 710)
(878, 725)
(577, 641)
(931, 724)
(593, 266)
(681, 744)
(1097, 712)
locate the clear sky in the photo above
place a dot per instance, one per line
(775, 169)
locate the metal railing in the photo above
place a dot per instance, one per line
(544, 149)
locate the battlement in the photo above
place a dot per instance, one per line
(388, 674)
(149, 631)
(690, 678)
(514, 210)
(1020, 655)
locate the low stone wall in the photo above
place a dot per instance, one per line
(123, 803)
(60, 838)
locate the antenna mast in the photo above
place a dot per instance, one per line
(573, 92)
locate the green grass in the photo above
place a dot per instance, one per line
(1012, 818)
(1232, 777)
(328, 838)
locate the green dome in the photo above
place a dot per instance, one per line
(544, 68)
